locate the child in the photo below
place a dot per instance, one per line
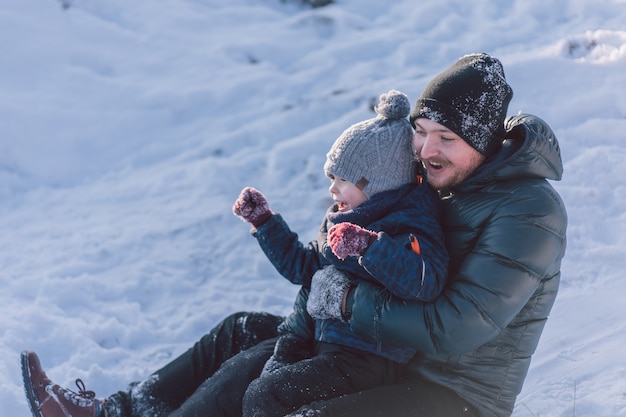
(384, 228)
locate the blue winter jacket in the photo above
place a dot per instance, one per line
(390, 264)
(505, 229)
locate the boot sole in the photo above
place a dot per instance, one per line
(28, 388)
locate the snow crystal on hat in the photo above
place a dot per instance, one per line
(470, 98)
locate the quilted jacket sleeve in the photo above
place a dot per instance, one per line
(511, 248)
(299, 323)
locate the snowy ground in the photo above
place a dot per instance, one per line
(128, 128)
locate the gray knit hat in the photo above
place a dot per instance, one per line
(376, 154)
(470, 98)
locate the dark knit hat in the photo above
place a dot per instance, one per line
(376, 154)
(470, 98)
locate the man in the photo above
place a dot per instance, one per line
(505, 232)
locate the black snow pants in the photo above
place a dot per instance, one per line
(333, 371)
(211, 378)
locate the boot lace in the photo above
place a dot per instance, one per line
(82, 398)
(89, 394)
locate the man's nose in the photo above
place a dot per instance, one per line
(428, 148)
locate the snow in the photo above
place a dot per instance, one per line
(128, 129)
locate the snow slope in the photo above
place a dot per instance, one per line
(129, 128)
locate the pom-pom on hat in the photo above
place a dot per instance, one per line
(376, 154)
(470, 98)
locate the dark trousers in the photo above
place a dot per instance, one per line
(414, 398)
(211, 378)
(333, 371)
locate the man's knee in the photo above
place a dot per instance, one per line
(249, 329)
(240, 331)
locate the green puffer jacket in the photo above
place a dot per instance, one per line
(505, 231)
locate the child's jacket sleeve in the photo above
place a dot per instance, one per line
(289, 256)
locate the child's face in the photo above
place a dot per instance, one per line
(347, 196)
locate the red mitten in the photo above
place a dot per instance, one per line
(251, 206)
(347, 239)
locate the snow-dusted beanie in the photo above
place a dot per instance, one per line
(470, 98)
(376, 154)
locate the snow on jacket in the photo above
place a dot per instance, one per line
(505, 230)
(390, 263)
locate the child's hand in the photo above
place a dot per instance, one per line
(252, 207)
(347, 239)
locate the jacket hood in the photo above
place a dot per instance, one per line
(530, 150)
